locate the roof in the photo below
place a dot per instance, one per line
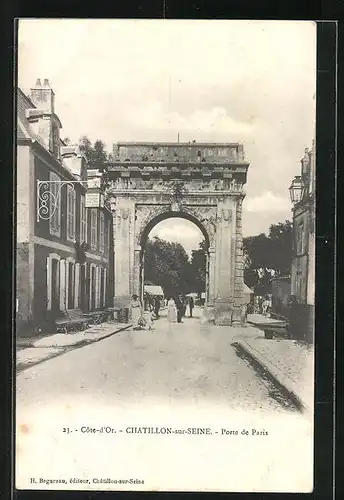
(25, 132)
(154, 289)
(176, 144)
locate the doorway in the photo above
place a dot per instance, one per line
(55, 286)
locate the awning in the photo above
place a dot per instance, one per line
(247, 289)
(154, 290)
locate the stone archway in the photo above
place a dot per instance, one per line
(209, 193)
(142, 237)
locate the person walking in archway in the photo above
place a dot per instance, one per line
(180, 309)
(171, 311)
(156, 306)
(191, 305)
(135, 311)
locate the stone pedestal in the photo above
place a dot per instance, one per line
(223, 312)
(208, 315)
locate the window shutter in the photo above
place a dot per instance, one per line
(62, 285)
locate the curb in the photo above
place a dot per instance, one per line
(20, 367)
(275, 375)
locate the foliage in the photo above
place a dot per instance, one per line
(268, 256)
(198, 268)
(96, 155)
(167, 264)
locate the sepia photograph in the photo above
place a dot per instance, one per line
(165, 255)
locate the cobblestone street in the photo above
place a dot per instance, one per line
(187, 362)
(181, 376)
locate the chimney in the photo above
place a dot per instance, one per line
(43, 97)
(74, 161)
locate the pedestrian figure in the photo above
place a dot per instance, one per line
(146, 302)
(135, 311)
(148, 320)
(260, 305)
(171, 311)
(157, 307)
(180, 309)
(269, 304)
(191, 305)
(184, 305)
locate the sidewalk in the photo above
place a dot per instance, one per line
(260, 320)
(288, 362)
(44, 348)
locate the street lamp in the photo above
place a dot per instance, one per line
(297, 189)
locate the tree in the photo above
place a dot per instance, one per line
(86, 148)
(281, 236)
(96, 155)
(100, 156)
(267, 256)
(167, 264)
(198, 268)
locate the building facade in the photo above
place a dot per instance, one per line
(64, 227)
(303, 263)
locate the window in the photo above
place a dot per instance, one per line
(101, 232)
(107, 237)
(93, 229)
(55, 205)
(82, 219)
(71, 285)
(71, 196)
(102, 287)
(300, 239)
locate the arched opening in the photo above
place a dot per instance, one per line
(175, 256)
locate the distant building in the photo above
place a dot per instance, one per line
(64, 231)
(302, 193)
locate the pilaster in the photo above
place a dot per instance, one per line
(223, 290)
(137, 272)
(238, 263)
(124, 249)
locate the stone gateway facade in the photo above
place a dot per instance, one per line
(150, 182)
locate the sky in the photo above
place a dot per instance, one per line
(251, 82)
